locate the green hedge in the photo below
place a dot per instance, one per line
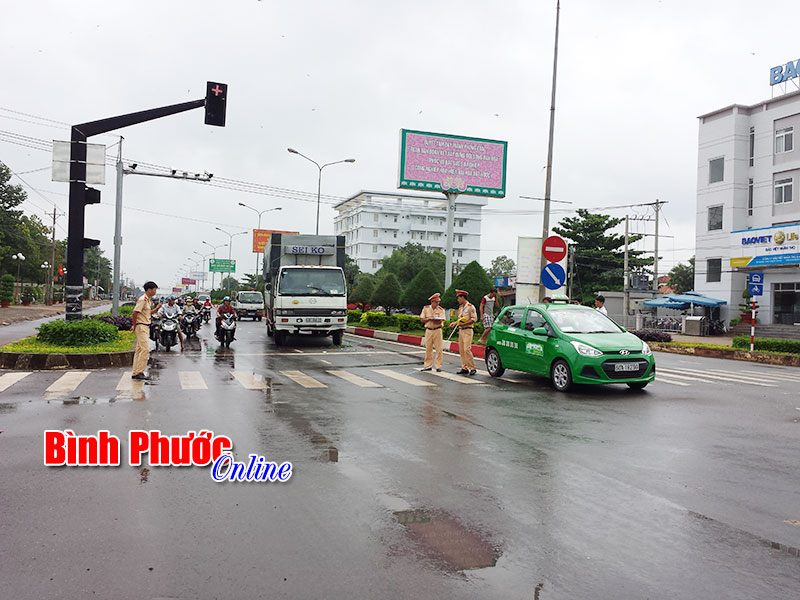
(353, 316)
(77, 333)
(375, 319)
(767, 344)
(408, 322)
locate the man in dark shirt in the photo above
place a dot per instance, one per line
(223, 309)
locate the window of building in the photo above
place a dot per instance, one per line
(787, 303)
(395, 218)
(783, 190)
(713, 270)
(716, 170)
(752, 145)
(784, 140)
(714, 218)
(750, 197)
(460, 238)
(375, 217)
(413, 235)
(374, 233)
(460, 253)
(374, 249)
(374, 264)
(394, 233)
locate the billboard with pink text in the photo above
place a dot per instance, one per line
(452, 163)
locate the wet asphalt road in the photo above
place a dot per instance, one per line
(420, 486)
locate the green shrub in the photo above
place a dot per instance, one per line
(77, 333)
(420, 289)
(735, 321)
(387, 293)
(374, 319)
(767, 344)
(7, 288)
(362, 293)
(32, 293)
(472, 279)
(126, 310)
(354, 316)
(408, 322)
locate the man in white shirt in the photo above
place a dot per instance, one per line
(170, 310)
(599, 304)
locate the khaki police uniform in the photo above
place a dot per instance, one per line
(433, 334)
(468, 316)
(141, 330)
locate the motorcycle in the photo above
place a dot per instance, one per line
(190, 324)
(167, 333)
(205, 314)
(227, 330)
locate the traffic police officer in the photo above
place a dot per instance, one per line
(467, 316)
(433, 317)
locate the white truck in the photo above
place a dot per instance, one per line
(249, 304)
(306, 292)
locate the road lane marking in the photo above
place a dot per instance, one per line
(352, 378)
(249, 380)
(125, 382)
(453, 377)
(662, 370)
(191, 380)
(298, 351)
(728, 378)
(487, 374)
(661, 379)
(737, 375)
(404, 378)
(774, 375)
(305, 380)
(65, 384)
(9, 379)
(327, 362)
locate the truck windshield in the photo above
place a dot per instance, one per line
(251, 297)
(311, 282)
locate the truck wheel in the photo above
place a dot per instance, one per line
(259, 317)
(270, 330)
(337, 337)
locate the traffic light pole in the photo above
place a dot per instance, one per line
(76, 243)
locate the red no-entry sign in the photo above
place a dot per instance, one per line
(554, 249)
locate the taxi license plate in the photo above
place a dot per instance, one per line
(314, 320)
(626, 367)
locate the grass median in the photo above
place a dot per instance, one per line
(31, 345)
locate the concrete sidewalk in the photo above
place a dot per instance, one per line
(721, 340)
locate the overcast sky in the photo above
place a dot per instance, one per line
(338, 79)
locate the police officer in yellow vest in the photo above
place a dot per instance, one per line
(467, 316)
(433, 317)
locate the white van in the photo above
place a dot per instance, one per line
(249, 304)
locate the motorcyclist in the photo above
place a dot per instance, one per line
(222, 309)
(170, 310)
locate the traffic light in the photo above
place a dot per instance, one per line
(91, 196)
(216, 99)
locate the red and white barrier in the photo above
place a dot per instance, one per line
(413, 340)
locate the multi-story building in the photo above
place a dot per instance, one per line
(748, 209)
(375, 223)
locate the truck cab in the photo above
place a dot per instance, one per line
(249, 304)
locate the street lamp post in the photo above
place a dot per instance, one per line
(319, 180)
(20, 258)
(203, 258)
(230, 247)
(47, 284)
(213, 255)
(260, 212)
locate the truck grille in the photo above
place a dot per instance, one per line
(307, 312)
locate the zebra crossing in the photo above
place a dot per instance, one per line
(70, 383)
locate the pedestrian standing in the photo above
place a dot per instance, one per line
(467, 316)
(141, 328)
(433, 317)
(488, 303)
(599, 304)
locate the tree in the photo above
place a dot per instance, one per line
(229, 285)
(409, 260)
(502, 266)
(351, 272)
(474, 280)
(681, 277)
(253, 281)
(11, 196)
(420, 289)
(599, 257)
(362, 294)
(96, 266)
(388, 293)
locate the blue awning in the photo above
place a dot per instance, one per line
(666, 302)
(683, 301)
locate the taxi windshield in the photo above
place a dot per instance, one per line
(582, 321)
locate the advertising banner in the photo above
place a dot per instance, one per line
(187, 281)
(765, 246)
(529, 257)
(177, 290)
(442, 162)
(261, 238)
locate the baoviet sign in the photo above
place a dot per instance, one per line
(452, 163)
(261, 238)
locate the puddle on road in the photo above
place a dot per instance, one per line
(446, 541)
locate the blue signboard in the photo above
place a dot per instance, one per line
(755, 277)
(756, 289)
(501, 282)
(553, 276)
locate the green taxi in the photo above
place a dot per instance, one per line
(569, 344)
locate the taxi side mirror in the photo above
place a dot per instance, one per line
(623, 329)
(540, 331)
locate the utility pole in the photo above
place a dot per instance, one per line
(451, 217)
(658, 204)
(52, 261)
(626, 295)
(549, 173)
(572, 249)
(115, 288)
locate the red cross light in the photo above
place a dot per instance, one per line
(217, 91)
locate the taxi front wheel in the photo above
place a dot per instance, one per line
(560, 375)
(493, 364)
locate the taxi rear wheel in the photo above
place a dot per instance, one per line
(493, 364)
(560, 375)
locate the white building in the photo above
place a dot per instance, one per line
(375, 223)
(748, 210)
